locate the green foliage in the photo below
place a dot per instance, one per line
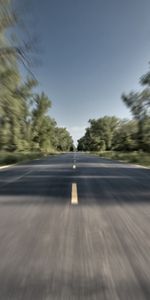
(7, 158)
(25, 124)
(139, 104)
(99, 136)
(110, 133)
(63, 140)
(41, 124)
(138, 157)
(125, 136)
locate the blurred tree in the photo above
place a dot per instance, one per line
(139, 104)
(102, 131)
(19, 47)
(125, 136)
(40, 122)
(24, 120)
(99, 135)
(64, 141)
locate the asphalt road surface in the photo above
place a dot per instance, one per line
(98, 248)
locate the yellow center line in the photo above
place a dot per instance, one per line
(74, 194)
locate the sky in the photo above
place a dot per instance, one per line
(91, 52)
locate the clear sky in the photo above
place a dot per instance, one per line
(92, 51)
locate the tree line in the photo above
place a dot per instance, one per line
(25, 123)
(112, 133)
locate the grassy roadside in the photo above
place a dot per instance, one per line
(141, 158)
(7, 158)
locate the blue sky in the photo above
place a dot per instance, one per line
(91, 52)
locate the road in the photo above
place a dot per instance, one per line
(98, 248)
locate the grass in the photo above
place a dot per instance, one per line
(7, 158)
(137, 157)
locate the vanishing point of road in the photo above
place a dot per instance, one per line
(74, 226)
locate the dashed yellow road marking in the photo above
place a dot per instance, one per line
(74, 194)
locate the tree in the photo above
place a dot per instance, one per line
(99, 135)
(64, 141)
(139, 104)
(25, 123)
(125, 136)
(40, 122)
(17, 48)
(13, 94)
